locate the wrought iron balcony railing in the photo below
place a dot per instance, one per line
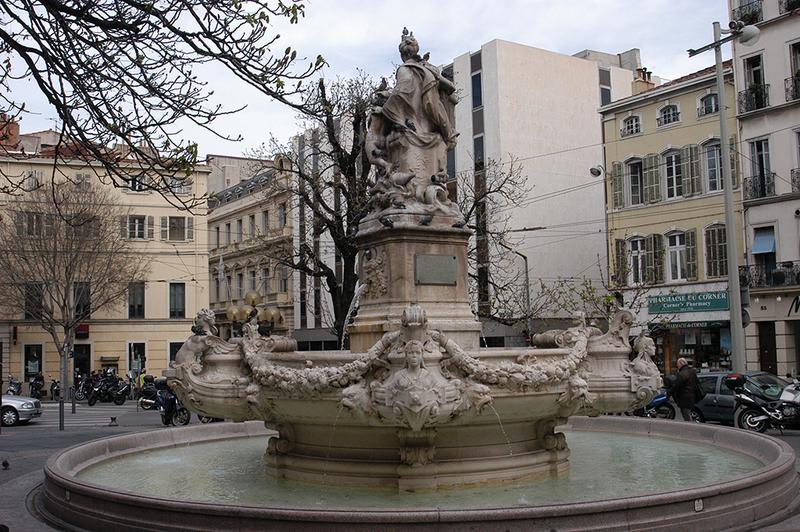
(754, 97)
(759, 186)
(786, 6)
(707, 110)
(792, 86)
(795, 173)
(750, 13)
(759, 276)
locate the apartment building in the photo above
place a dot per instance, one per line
(242, 220)
(148, 328)
(665, 213)
(768, 113)
(226, 171)
(540, 107)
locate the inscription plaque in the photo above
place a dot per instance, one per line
(435, 269)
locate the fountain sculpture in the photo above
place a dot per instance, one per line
(420, 408)
(416, 405)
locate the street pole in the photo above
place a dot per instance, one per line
(738, 359)
(527, 279)
(747, 34)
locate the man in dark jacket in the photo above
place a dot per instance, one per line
(684, 390)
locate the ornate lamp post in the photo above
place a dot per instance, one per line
(268, 316)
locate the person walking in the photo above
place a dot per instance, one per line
(684, 389)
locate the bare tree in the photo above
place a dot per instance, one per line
(64, 260)
(122, 78)
(329, 185)
(486, 198)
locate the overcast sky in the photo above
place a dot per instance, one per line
(352, 34)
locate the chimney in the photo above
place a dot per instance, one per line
(642, 82)
(9, 132)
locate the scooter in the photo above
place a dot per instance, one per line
(109, 389)
(81, 388)
(35, 385)
(758, 410)
(148, 395)
(14, 386)
(169, 406)
(659, 407)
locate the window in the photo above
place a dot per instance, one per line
(676, 255)
(216, 236)
(709, 104)
(284, 279)
(756, 93)
(713, 168)
(216, 290)
(264, 222)
(477, 93)
(764, 252)
(672, 162)
(227, 234)
(239, 230)
(451, 164)
(478, 153)
(630, 126)
(174, 347)
(177, 300)
(136, 301)
(180, 185)
(34, 295)
(668, 115)
(83, 182)
(716, 251)
(252, 226)
(240, 285)
(34, 179)
(637, 264)
(759, 157)
(228, 281)
(33, 361)
(136, 227)
(252, 280)
(282, 215)
(177, 228)
(605, 86)
(136, 184)
(636, 183)
(82, 296)
(137, 359)
(265, 279)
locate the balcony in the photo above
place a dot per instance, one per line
(759, 276)
(753, 98)
(786, 6)
(759, 186)
(749, 13)
(792, 86)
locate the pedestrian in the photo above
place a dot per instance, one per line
(685, 388)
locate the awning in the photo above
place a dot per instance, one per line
(764, 241)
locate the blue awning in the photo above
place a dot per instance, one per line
(764, 241)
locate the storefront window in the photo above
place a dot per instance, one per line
(707, 347)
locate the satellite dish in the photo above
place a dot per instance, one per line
(749, 35)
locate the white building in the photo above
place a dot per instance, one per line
(768, 97)
(541, 107)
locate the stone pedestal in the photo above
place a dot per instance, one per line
(408, 263)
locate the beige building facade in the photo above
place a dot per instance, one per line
(242, 220)
(768, 113)
(148, 327)
(665, 213)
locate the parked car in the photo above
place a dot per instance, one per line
(719, 403)
(19, 409)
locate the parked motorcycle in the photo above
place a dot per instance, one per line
(764, 401)
(660, 407)
(35, 386)
(55, 390)
(81, 387)
(14, 386)
(148, 395)
(169, 406)
(109, 389)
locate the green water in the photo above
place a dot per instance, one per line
(603, 466)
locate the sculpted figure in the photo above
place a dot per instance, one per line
(411, 128)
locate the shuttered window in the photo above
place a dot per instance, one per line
(716, 251)
(690, 170)
(652, 178)
(620, 269)
(691, 255)
(636, 182)
(617, 185)
(654, 259)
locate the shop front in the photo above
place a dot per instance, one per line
(689, 321)
(773, 336)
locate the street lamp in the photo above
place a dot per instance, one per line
(747, 35)
(268, 317)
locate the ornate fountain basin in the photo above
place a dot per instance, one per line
(415, 411)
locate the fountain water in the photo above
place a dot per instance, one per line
(415, 404)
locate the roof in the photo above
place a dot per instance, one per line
(243, 188)
(699, 74)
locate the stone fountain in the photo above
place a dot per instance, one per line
(416, 406)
